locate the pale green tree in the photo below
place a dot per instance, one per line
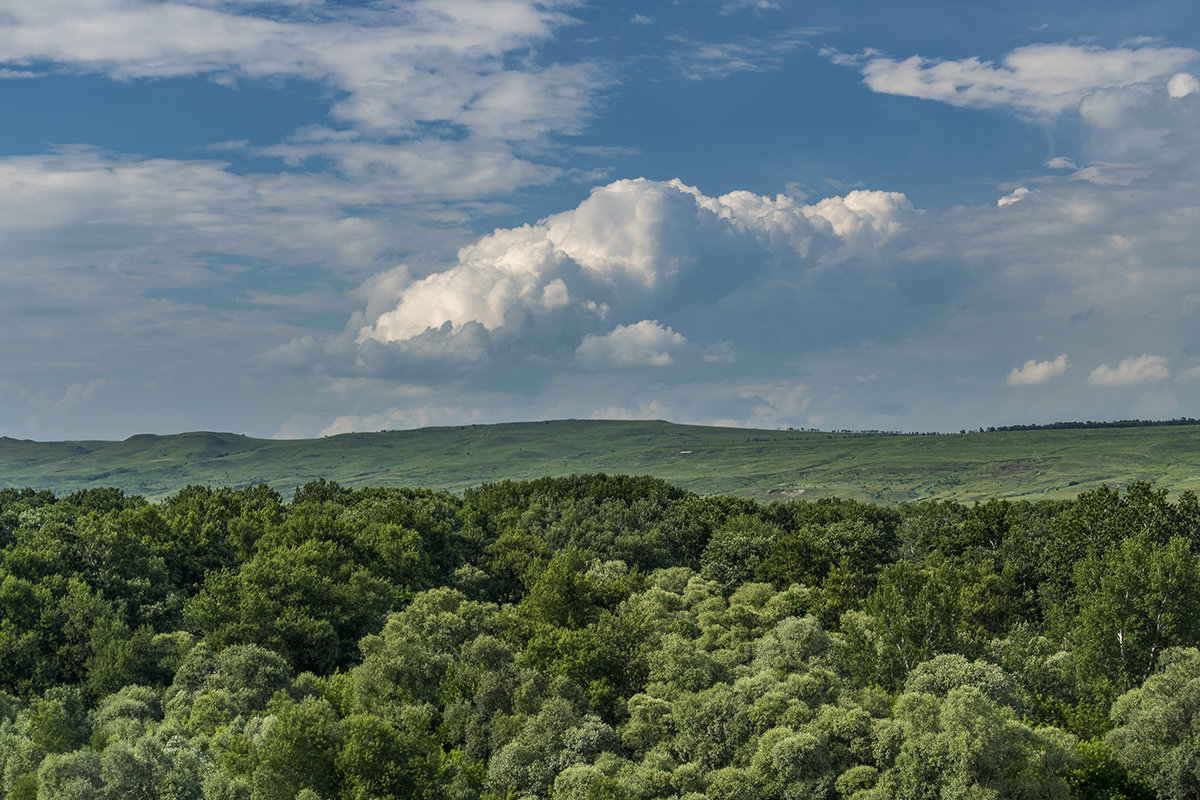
(1158, 726)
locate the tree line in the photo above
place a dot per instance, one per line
(596, 637)
(1089, 424)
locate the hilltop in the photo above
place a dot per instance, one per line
(880, 467)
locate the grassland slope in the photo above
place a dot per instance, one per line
(887, 468)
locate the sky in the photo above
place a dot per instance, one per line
(308, 217)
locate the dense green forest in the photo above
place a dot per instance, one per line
(596, 637)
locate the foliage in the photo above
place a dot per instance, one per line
(596, 637)
(1158, 726)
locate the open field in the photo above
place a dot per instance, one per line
(767, 464)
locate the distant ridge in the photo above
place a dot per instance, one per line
(1120, 423)
(1048, 461)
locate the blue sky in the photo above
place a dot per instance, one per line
(302, 218)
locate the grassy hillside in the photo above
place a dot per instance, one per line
(779, 464)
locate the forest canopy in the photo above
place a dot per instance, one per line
(595, 637)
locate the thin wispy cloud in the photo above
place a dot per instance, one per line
(699, 60)
(1038, 79)
(422, 71)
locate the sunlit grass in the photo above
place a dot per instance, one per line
(766, 464)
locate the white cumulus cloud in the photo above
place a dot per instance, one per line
(1037, 371)
(1135, 369)
(644, 344)
(630, 247)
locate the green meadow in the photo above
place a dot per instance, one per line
(886, 468)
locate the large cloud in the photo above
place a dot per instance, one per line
(631, 248)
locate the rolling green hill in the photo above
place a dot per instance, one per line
(769, 464)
